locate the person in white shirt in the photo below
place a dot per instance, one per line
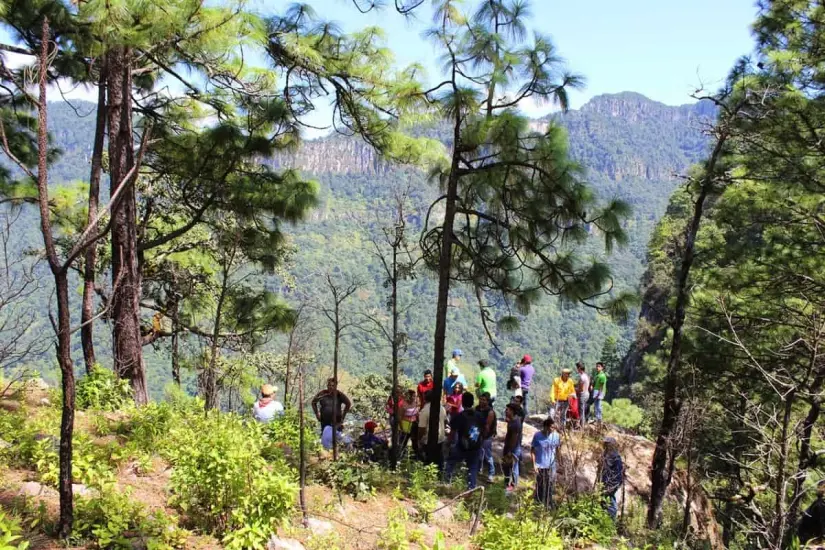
(583, 390)
(343, 440)
(424, 424)
(267, 408)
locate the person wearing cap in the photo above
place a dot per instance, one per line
(266, 408)
(370, 442)
(563, 388)
(453, 374)
(486, 380)
(525, 372)
(612, 474)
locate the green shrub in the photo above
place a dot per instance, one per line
(520, 533)
(349, 475)
(623, 413)
(107, 519)
(584, 519)
(102, 390)
(283, 438)
(11, 537)
(422, 479)
(223, 483)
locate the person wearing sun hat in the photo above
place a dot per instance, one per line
(453, 373)
(563, 388)
(266, 408)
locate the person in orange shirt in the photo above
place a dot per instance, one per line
(563, 388)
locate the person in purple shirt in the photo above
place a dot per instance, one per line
(526, 372)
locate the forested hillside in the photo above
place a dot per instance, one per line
(630, 146)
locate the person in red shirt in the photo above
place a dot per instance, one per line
(424, 386)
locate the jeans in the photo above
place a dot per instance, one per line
(471, 458)
(561, 412)
(597, 404)
(544, 487)
(583, 406)
(487, 456)
(511, 472)
(612, 504)
(524, 402)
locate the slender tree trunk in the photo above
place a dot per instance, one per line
(61, 282)
(175, 344)
(90, 256)
(288, 365)
(210, 386)
(394, 299)
(302, 459)
(780, 516)
(335, 376)
(659, 476)
(127, 342)
(444, 264)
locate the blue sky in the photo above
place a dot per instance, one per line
(663, 49)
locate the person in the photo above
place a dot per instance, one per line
(409, 417)
(543, 453)
(612, 474)
(563, 388)
(453, 362)
(424, 386)
(453, 400)
(467, 430)
(455, 377)
(485, 409)
(599, 391)
(486, 380)
(573, 410)
(583, 389)
(511, 454)
(424, 425)
(812, 524)
(394, 405)
(526, 372)
(266, 408)
(324, 405)
(371, 443)
(343, 439)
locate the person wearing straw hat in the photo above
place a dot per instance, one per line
(563, 388)
(267, 408)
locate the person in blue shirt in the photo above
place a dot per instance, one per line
(453, 376)
(612, 475)
(543, 452)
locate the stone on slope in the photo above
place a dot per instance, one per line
(277, 543)
(319, 527)
(35, 489)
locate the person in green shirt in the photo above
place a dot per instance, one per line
(599, 390)
(486, 380)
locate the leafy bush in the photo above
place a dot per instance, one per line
(623, 413)
(351, 476)
(520, 533)
(423, 478)
(283, 437)
(223, 483)
(102, 390)
(108, 518)
(11, 534)
(584, 519)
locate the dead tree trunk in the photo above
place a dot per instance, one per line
(302, 460)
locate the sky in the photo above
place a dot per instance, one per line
(664, 49)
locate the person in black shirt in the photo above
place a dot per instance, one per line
(324, 405)
(812, 525)
(511, 455)
(467, 433)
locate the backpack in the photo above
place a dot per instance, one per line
(473, 437)
(514, 381)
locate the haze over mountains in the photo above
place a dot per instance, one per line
(631, 146)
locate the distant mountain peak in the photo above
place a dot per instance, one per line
(634, 107)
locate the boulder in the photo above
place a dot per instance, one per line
(319, 527)
(44, 402)
(36, 490)
(443, 514)
(83, 491)
(8, 405)
(277, 543)
(4, 445)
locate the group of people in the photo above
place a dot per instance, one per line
(468, 423)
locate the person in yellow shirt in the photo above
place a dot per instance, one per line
(563, 388)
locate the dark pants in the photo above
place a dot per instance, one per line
(439, 456)
(544, 487)
(471, 458)
(524, 394)
(511, 469)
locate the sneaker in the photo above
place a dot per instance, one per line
(509, 490)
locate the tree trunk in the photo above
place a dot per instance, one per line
(659, 476)
(288, 365)
(335, 376)
(127, 342)
(59, 272)
(210, 386)
(779, 512)
(302, 460)
(175, 344)
(805, 457)
(444, 264)
(90, 256)
(394, 299)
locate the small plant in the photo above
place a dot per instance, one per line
(585, 520)
(394, 536)
(523, 532)
(102, 390)
(11, 537)
(423, 479)
(351, 476)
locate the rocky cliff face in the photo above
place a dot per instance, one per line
(617, 136)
